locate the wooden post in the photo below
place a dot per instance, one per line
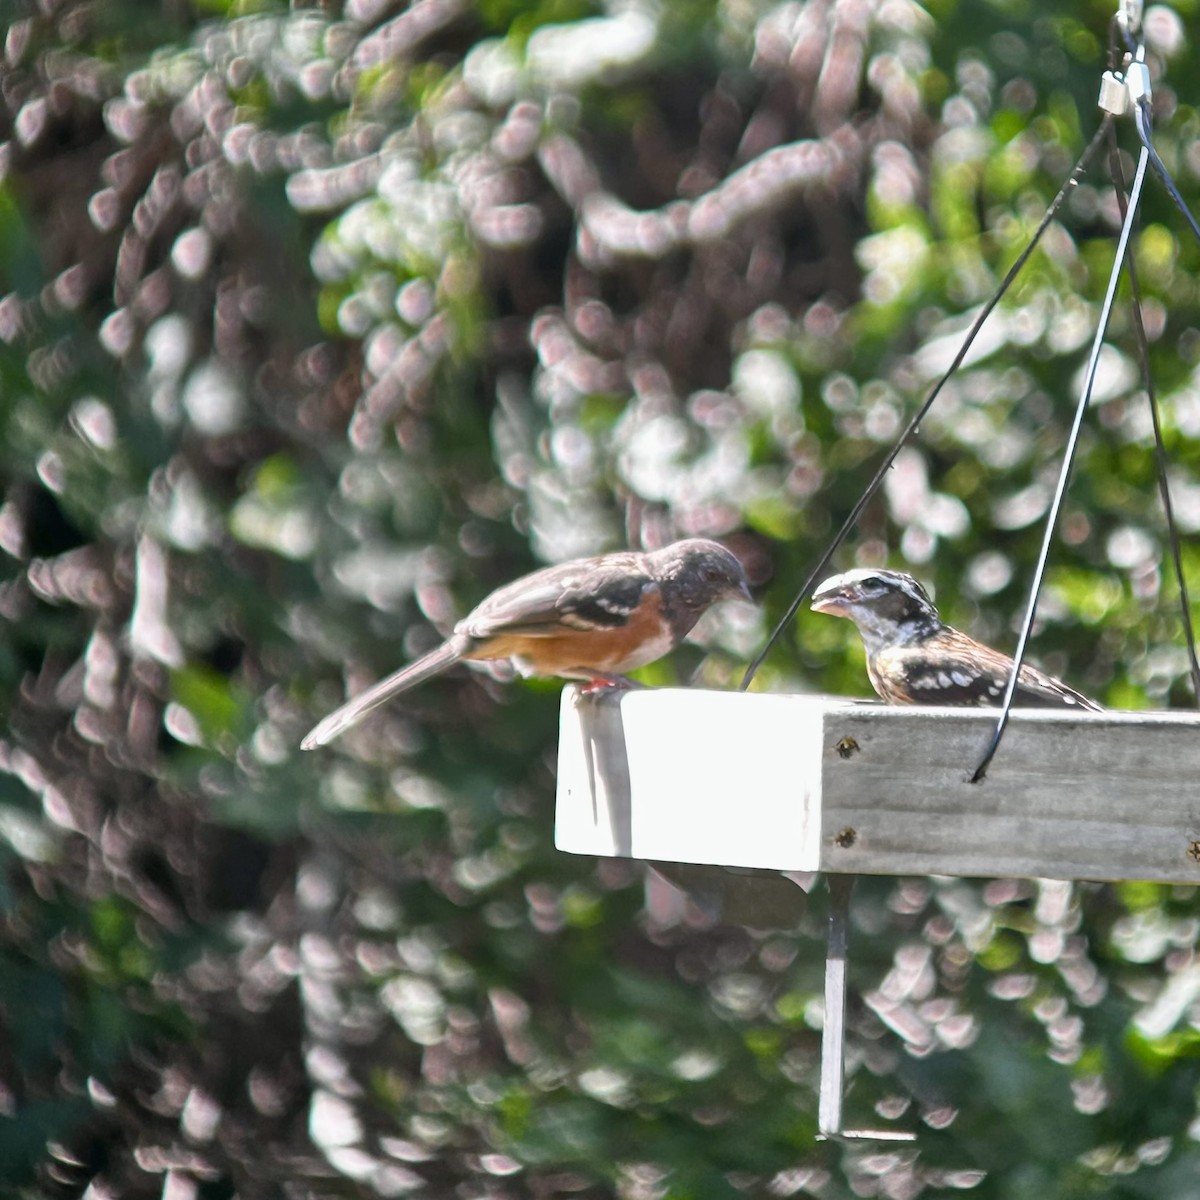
(833, 1032)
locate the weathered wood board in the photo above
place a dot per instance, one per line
(803, 783)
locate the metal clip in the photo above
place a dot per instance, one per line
(1114, 94)
(1137, 80)
(1119, 93)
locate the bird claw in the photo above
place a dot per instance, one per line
(607, 685)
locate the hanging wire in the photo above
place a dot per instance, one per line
(1064, 474)
(1138, 83)
(1160, 451)
(914, 424)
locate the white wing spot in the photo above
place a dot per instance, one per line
(611, 605)
(962, 678)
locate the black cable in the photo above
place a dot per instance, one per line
(1160, 451)
(911, 428)
(1068, 460)
(1141, 120)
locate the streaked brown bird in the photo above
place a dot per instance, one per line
(591, 619)
(913, 657)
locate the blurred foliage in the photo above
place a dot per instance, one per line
(318, 323)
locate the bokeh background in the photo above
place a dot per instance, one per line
(317, 323)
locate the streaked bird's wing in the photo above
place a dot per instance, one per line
(966, 672)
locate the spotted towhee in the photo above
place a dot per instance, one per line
(592, 619)
(914, 658)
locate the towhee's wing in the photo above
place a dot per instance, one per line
(597, 593)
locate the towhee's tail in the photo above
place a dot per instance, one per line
(436, 661)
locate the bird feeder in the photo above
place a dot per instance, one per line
(812, 783)
(787, 783)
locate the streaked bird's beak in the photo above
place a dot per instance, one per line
(828, 604)
(833, 600)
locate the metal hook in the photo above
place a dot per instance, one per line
(1129, 16)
